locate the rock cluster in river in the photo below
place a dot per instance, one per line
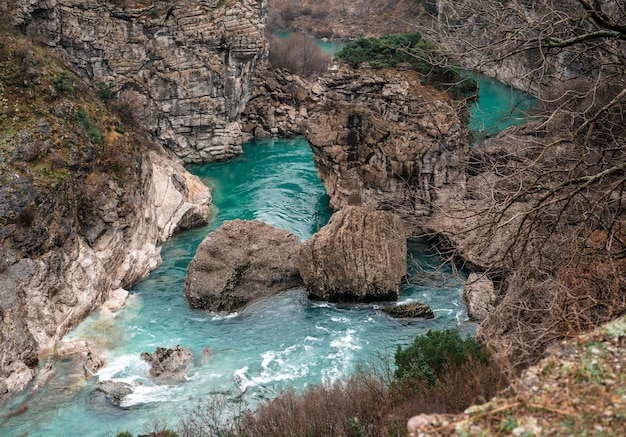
(359, 256)
(240, 262)
(188, 65)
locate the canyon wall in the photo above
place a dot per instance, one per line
(47, 291)
(188, 65)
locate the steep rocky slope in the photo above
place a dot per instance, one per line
(188, 64)
(84, 200)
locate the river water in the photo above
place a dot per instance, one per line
(285, 341)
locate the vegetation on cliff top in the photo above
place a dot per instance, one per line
(436, 67)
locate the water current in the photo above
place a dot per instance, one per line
(285, 341)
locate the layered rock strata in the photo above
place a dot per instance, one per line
(382, 140)
(241, 262)
(186, 66)
(359, 256)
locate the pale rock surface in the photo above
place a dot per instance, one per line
(359, 256)
(44, 297)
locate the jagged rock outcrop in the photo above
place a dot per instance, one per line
(168, 362)
(381, 139)
(280, 104)
(186, 65)
(240, 262)
(413, 310)
(359, 256)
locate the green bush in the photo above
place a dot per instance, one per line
(437, 67)
(432, 354)
(63, 82)
(104, 91)
(88, 126)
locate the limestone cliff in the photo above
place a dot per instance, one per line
(190, 62)
(84, 201)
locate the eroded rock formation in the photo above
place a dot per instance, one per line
(381, 139)
(240, 262)
(359, 256)
(188, 64)
(479, 295)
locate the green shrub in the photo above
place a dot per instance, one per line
(88, 126)
(104, 91)
(124, 434)
(432, 354)
(63, 82)
(437, 67)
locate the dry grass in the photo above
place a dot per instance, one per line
(579, 389)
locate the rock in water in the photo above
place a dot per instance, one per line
(414, 310)
(168, 363)
(110, 393)
(479, 296)
(242, 261)
(359, 256)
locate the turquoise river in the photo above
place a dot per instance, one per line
(286, 341)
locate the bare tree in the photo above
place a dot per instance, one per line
(547, 200)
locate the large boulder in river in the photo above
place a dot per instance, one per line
(168, 362)
(359, 256)
(412, 310)
(241, 262)
(109, 393)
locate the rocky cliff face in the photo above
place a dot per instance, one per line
(381, 139)
(189, 64)
(45, 295)
(84, 201)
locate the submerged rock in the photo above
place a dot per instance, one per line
(168, 363)
(241, 262)
(359, 256)
(414, 310)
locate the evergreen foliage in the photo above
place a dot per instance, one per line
(432, 354)
(427, 58)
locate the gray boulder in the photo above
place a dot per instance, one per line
(168, 363)
(109, 393)
(241, 262)
(359, 256)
